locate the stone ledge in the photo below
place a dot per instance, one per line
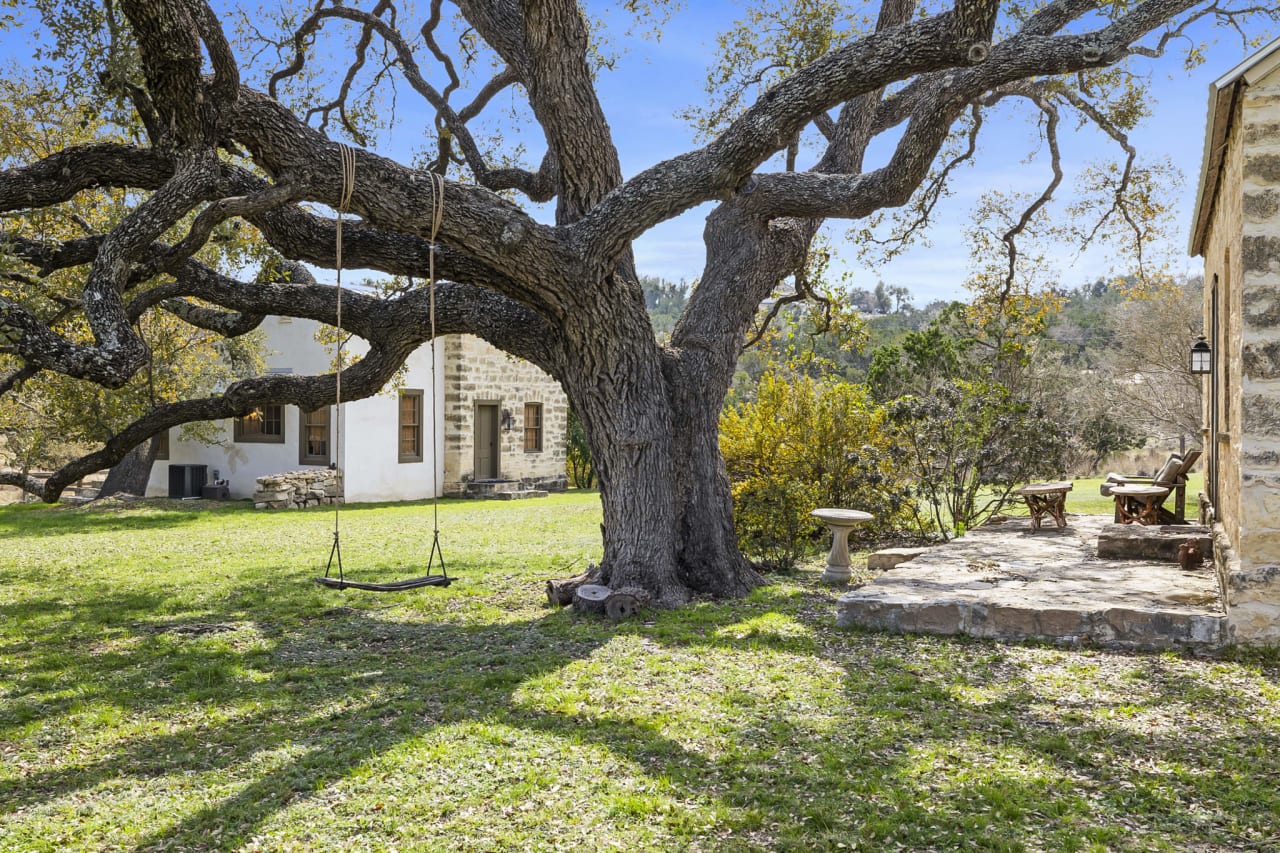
(1155, 542)
(888, 558)
(1116, 627)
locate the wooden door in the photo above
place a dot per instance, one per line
(486, 441)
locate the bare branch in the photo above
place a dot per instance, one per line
(228, 324)
(13, 380)
(932, 191)
(1010, 237)
(504, 78)
(719, 169)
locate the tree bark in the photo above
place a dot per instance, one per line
(130, 475)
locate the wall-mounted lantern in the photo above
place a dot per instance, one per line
(1201, 357)
(507, 420)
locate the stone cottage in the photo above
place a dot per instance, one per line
(1236, 229)
(495, 418)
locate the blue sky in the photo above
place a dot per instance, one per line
(652, 80)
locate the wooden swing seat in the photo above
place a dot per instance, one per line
(390, 586)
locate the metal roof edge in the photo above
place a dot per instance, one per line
(1253, 68)
(1249, 68)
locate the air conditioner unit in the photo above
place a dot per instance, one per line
(187, 481)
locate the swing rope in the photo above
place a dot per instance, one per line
(437, 216)
(348, 165)
(347, 156)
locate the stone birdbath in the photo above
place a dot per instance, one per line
(840, 521)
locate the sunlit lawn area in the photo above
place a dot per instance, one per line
(170, 679)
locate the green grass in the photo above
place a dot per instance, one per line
(171, 680)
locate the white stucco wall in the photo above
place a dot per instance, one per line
(368, 439)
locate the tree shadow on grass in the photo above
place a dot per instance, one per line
(347, 686)
(1117, 769)
(340, 688)
(941, 744)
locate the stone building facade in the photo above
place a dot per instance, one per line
(504, 419)
(414, 440)
(1236, 229)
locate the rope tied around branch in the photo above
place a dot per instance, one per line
(347, 159)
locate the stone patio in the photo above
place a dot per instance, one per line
(1005, 581)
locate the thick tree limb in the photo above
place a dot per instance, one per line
(59, 177)
(392, 197)
(362, 379)
(228, 324)
(169, 44)
(720, 168)
(117, 352)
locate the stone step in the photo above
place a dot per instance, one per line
(485, 488)
(518, 495)
(1119, 627)
(1154, 542)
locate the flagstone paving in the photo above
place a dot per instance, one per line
(1006, 581)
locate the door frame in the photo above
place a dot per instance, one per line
(496, 406)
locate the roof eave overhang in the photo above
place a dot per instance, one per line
(1222, 101)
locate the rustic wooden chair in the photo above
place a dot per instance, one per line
(1172, 476)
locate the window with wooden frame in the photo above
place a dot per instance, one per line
(410, 426)
(532, 427)
(313, 437)
(163, 439)
(263, 425)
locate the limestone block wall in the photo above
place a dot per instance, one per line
(295, 489)
(1252, 585)
(1222, 262)
(477, 372)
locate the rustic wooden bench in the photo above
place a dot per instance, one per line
(1046, 499)
(1138, 503)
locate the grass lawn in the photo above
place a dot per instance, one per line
(171, 680)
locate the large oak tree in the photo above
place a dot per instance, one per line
(218, 149)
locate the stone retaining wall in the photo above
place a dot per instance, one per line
(295, 489)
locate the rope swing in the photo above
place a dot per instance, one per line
(348, 161)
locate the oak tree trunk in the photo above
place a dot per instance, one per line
(652, 420)
(130, 475)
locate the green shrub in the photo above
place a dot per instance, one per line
(801, 445)
(578, 455)
(969, 444)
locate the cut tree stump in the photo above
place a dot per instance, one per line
(614, 603)
(621, 606)
(641, 595)
(560, 590)
(591, 598)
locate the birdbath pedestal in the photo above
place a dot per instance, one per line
(840, 521)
